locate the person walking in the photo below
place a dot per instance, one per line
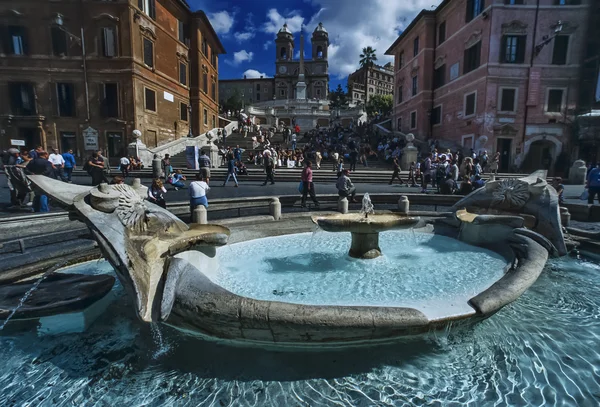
(198, 190)
(294, 141)
(396, 173)
(224, 135)
(95, 167)
(205, 164)
(41, 166)
(269, 167)
(166, 165)
(231, 168)
(69, 164)
(345, 186)
(124, 165)
(308, 187)
(156, 193)
(593, 183)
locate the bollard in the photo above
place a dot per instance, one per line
(275, 209)
(139, 188)
(156, 168)
(403, 204)
(199, 215)
(565, 216)
(492, 177)
(343, 205)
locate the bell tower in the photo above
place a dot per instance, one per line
(320, 43)
(284, 44)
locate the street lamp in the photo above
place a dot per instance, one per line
(547, 38)
(190, 121)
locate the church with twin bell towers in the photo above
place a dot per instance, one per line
(301, 79)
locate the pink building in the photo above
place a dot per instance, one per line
(495, 75)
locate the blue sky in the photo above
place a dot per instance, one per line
(248, 28)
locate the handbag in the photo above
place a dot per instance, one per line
(584, 195)
(301, 187)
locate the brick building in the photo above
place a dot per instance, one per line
(381, 82)
(85, 74)
(248, 90)
(504, 69)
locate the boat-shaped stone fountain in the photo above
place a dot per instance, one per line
(181, 275)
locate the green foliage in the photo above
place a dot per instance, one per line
(338, 98)
(380, 104)
(368, 57)
(234, 103)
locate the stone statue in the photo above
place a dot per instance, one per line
(141, 240)
(530, 195)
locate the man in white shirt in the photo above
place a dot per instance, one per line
(198, 189)
(58, 163)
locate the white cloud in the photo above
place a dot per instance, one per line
(221, 21)
(244, 36)
(297, 53)
(352, 27)
(241, 56)
(275, 21)
(267, 44)
(254, 74)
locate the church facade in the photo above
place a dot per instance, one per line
(287, 69)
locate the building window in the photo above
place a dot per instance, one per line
(474, 8)
(472, 57)
(109, 41)
(59, 42)
(214, 121)
(204, 47)
(148, 53)
(282, 92)
(470, 104)
(400, 97)
(416, 47)
(513, 49)
(180, 31)
(183, 112)
(513, 2)
(508, 99)
(66, 99)
(439, 77)
(555, 101)
(205, 80)
(205, 117)
(183, 74)
(16, 41)
(561, 47)
(213, 58)
(415, 85)
(258, 87)
(436, 115)
(148, 7)
(442, 33)
(110, 103)
(150, 98)
(567, 2)
(22, 98)
(258, 96)
(413, 120)
(401, 59)
(399, 124)
(213, 89)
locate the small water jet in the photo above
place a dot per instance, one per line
(365, 230)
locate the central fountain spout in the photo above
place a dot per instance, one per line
(365, 230)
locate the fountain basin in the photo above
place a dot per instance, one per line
(365, 230)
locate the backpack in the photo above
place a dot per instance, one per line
(440, 173)
(87, 167)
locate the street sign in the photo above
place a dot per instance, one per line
(90, 139)
(19, 143)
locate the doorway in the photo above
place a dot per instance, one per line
(540, 156)
(31, 137)
(504, 147)
(115, 146)
(68, 141)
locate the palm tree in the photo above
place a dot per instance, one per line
(366, 61)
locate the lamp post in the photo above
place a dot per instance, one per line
(547, 38)
(190, 134)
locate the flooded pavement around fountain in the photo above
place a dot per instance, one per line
(540, 350)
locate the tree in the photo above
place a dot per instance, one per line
(380, 104)
(338, 98)
(234, 102)
(367, 59)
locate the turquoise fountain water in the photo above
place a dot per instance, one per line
(528, 354)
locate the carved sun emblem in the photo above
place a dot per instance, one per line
(510, 193)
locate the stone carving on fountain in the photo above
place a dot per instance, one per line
(530, 195)
(138, 238)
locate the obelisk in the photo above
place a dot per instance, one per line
(300, 85)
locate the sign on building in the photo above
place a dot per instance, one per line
(90, 139)
(168, 96)
(18, 143)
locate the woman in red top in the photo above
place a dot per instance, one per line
(307, 185)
